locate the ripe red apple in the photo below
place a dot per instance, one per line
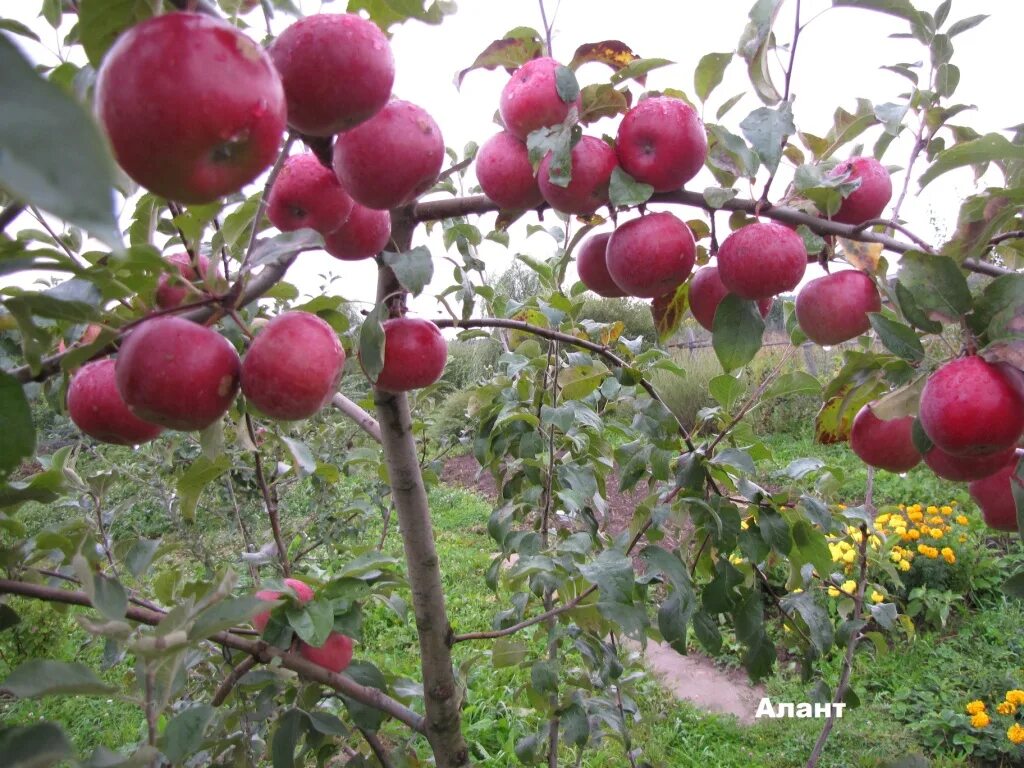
(96, 407)
(834, 308)
(707, 292)
(971, 408)
(592, 267)
(303, 592)
(292, 369)
(392, 158)
(171, 292)
(870, 198)
(651, 256)
(505, 174)
(414, 355)
(762, 260)
(335, 654)
(306, 194)
(193, 108)
(366, 233)
(592, 164)
(176, 373)
(884, 444)
(994, 495)
(337, 71)
(530, 99)
(965, 468)
(661, 142)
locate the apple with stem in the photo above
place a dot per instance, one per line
(652, 255)
(530, 100)
(97, 408)
(661, 142)
(293, 366)
(834, 308)
(868, 200)
(306, 194)
(193, 108)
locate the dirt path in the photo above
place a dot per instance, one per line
(695, 678)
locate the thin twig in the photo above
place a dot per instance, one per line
(627, 743)
(379, 750)
(237, 673)
(268, 501)
(9, 214)
(547, 27)
(891, 224)
(785, 97)
(260, 210)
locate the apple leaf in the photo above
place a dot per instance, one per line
(75, 184)
(280, 248)
(900, 402)
(624, 191)
(603, 100)
(737, 332)
(898, 338)
(290, 725)
(566, 85)
(100, 22)
(912, 311)
(755, 45)
(767, 129)
(35, 746)
(615, 53)
(184, 733)
(668, 311)
(371, 343)
(709, 73)
(638, 69)
(937, 284)
(559, 141)
(44, 677)
(200, 473)
(992, 147)
(414, 268)
(515, 49)
(16, 425)
(726, 389)
(312, 622)
(903, 9)
(386, 13)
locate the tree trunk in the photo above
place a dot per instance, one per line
(440, 689)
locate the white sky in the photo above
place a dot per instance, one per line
(838, 60)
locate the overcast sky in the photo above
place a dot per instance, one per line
(838, 59)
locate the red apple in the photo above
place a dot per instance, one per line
(366, 233)
(965, 468)
(762, 260)
(193, 108)
(971, 408)
(171, 292)
(306, 194)
(592, 164)
(994, 495)
(303, 592)
(661, 142)
(651, 256)
(505, 174)
(834, 308)
(392, 158)
(707, 292)
(414, 355)
(592, 267)
(335, 654)
(292, 369)
(884, 444)
(176, 373)
(337, 71)
(96, 407)
(870, 198)
(530, 99)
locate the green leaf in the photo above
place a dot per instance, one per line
(1000, 294)
(19, 434)
(386, 13)
(716, 197)
(673, 619)
(775, 530)
(755, 45)
(898, 338)
(184, 733)
(287, 245)
(290, 726)
(612, 572)
(17, 28)
(304, 461)
(706, 629)
(793, 383)
(364, 716)
(767, 129)
(638, 69)
(937, 284)
(544, 676)
(624, 191)
(74, 184)
(327, 724)
(990, 148)
(515, 49)
(810, 543)
(900, 8)
(100, 22)
(141, 555)
(600, 100)
(575, 725)
(371, 343)
(225, 614)
(34, 746)
(43, 677)
(737, 331)
(726, 389)
(414, 268)
(566, 85)
(109, 597)
(312, 622)
(200, 473)
(816, 618)
(963, 25)
(1014, 586)
(912, 310)
(709, 73)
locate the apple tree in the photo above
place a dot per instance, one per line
(167, 176)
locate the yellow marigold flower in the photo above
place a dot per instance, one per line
(849, 586)
(896, 521)
(875, 542)
(877, 597)
(947, 551)
(1006, 708)
(902, 506)
(1015, 733)
(932, 509)
(935, 533)
(962, 519)
(1015, 696)
(833, 592)
(905, 565)
(962, 539)
(915, 515)
(797, 591)
(945, 510)
(952, 503)
(913, 535)
(974, 707)
(936, 520)
(980, 720)
(895, 556)
(901, 531)
(950, 558)
(849, 556)
(882, 519)
(923, 548)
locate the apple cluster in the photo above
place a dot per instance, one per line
(327, 76)
(336, 652)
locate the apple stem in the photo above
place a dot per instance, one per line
(547, 27)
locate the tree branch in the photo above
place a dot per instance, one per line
(237, 673)
(362, 419)
(371, 697)
(268, 501)
(9, 214)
